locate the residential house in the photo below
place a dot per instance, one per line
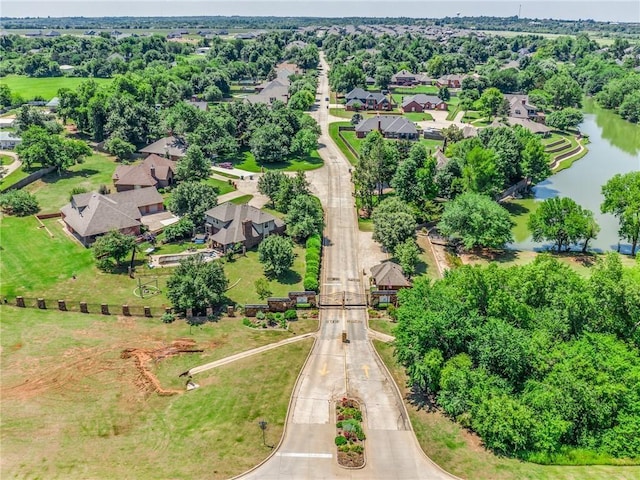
(173, 148)
(388, 276)
(174, 35)
(531, 125)
(115, 56)
(361, 99)
(521, 107)
(391, 126)
(450, 81)
(422, 102)
(7, 122)
(441, 158)
(404, 78)
(52, 33)
(154, 171)
(245, 36)
(229, 224)
(9, 140)
(202, 50)
(92, 214)
(270, 92)
(370, 81)
(90, 33)
(36, 33)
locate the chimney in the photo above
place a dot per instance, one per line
(524, 101)
(246, 229)
(152, 171)
(379, 123)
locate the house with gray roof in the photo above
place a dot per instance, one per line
(92, 214)
(388, 276)
(450, 81)
(521, 107)
(391, 126)
(422, 102)
(9, 140)
(229, 224)
(173, 148)
(405, 78)
(359, 99)
(270, 92)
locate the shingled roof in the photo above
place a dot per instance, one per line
(172, 146)
(233, 216)
(394, 124)
(146, 174)
(389, 274)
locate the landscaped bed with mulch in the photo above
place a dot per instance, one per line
(350, 438)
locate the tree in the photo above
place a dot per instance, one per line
(40, 146)
(19, 202)
(5, 96)
(262, 288)
(478, 221)
(301, 100)
(291, 188)
(304, 142)
(197, 284)
(535, 161)
(194, 166)
(408, 255)
(269, 144)
(480, 173)
(383, 76)
(491, 101)
(270, 184)
(393, 223)
(119, 147)
(452, 134)
(356, 119)
(113, 245)
(630, 107)
(562, 221)
(192, 199)
(414, 179)
(344, 77)
(183, 228)
(565, 118)
(304, 217)
(622, 199)
(564, 91)
(276, 254)
(444, 94)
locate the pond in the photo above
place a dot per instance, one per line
(614, 148)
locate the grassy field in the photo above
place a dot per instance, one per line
(5, 160)
(222, 186)
(427, 89)
(53, 190)
(248, 162)
(46, 88)
(12, 178)
(242, 200)
(333, 132)
(73, 408)
(460, 452)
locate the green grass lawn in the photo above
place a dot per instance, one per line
(13, 177)
(6, 160)
(333, 132)
(46, 88)
(222, 186)
(460, 452)
(88, 416)
(520, 210)
(242, 200)
(248, 162)
(245, 270)
(418, 117)
(427, 89)
(53, 190)
(341, 112)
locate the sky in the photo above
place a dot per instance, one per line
(602, 10)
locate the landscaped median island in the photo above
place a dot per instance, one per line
(350, 436)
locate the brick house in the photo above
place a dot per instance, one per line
(154, 171)
(521, 107)
(359, 99)
(388, 276)
(450, 81)
(229, 224)
(173, 148)
(422, 102)
(391, 126)
(92, 214)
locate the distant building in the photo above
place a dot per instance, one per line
(173, 148)
(422, 102)
(9, 140)
(450, 81)
(391, 126)
(359, 99)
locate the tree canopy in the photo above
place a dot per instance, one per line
(197, 284)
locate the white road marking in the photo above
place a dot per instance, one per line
(304, 455)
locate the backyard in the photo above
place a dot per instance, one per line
(75, 402)
(247, 161)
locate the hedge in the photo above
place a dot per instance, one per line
(312, 260)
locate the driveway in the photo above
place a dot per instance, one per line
(12, 167)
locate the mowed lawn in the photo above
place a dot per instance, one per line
(461, 452)
(248, 162)
(47, 88)
(72, 407)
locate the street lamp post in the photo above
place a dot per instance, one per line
(263, 426)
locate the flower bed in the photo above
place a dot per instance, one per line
(350, 436)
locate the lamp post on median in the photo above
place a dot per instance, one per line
(263, 426)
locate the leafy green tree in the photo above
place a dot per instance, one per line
(564, 91)
(192, 199)
(291, 188)
(304, 217)
(383, 76)
(414, 179)
(444, 94)
(269, 144)
(5, 96)
(179, 230)
(393, 223)
(491, 101)
(478, 221)
(270, 184)
(426, 374)
(622, 199)
(480, 172)
(565, 118)
(408, 255)
(562, 221)
(452, 134)
(345, 77)
(302, 100)
(19, 202)
(119, 147)
(40, 146)
(112, 246)
(262, 288)
(534, 161)
(304, 142)
(276, 254)
(194, 165)
(630, 107)
(197, 284)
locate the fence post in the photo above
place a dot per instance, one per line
(83, 307)
(41, 304)
(125, 311)
(62, 305)
(20, 301)
(104, 309)
(167, 310)
(147, 311)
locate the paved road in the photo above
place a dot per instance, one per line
(335, 369)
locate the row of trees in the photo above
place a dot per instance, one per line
(536, 359)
